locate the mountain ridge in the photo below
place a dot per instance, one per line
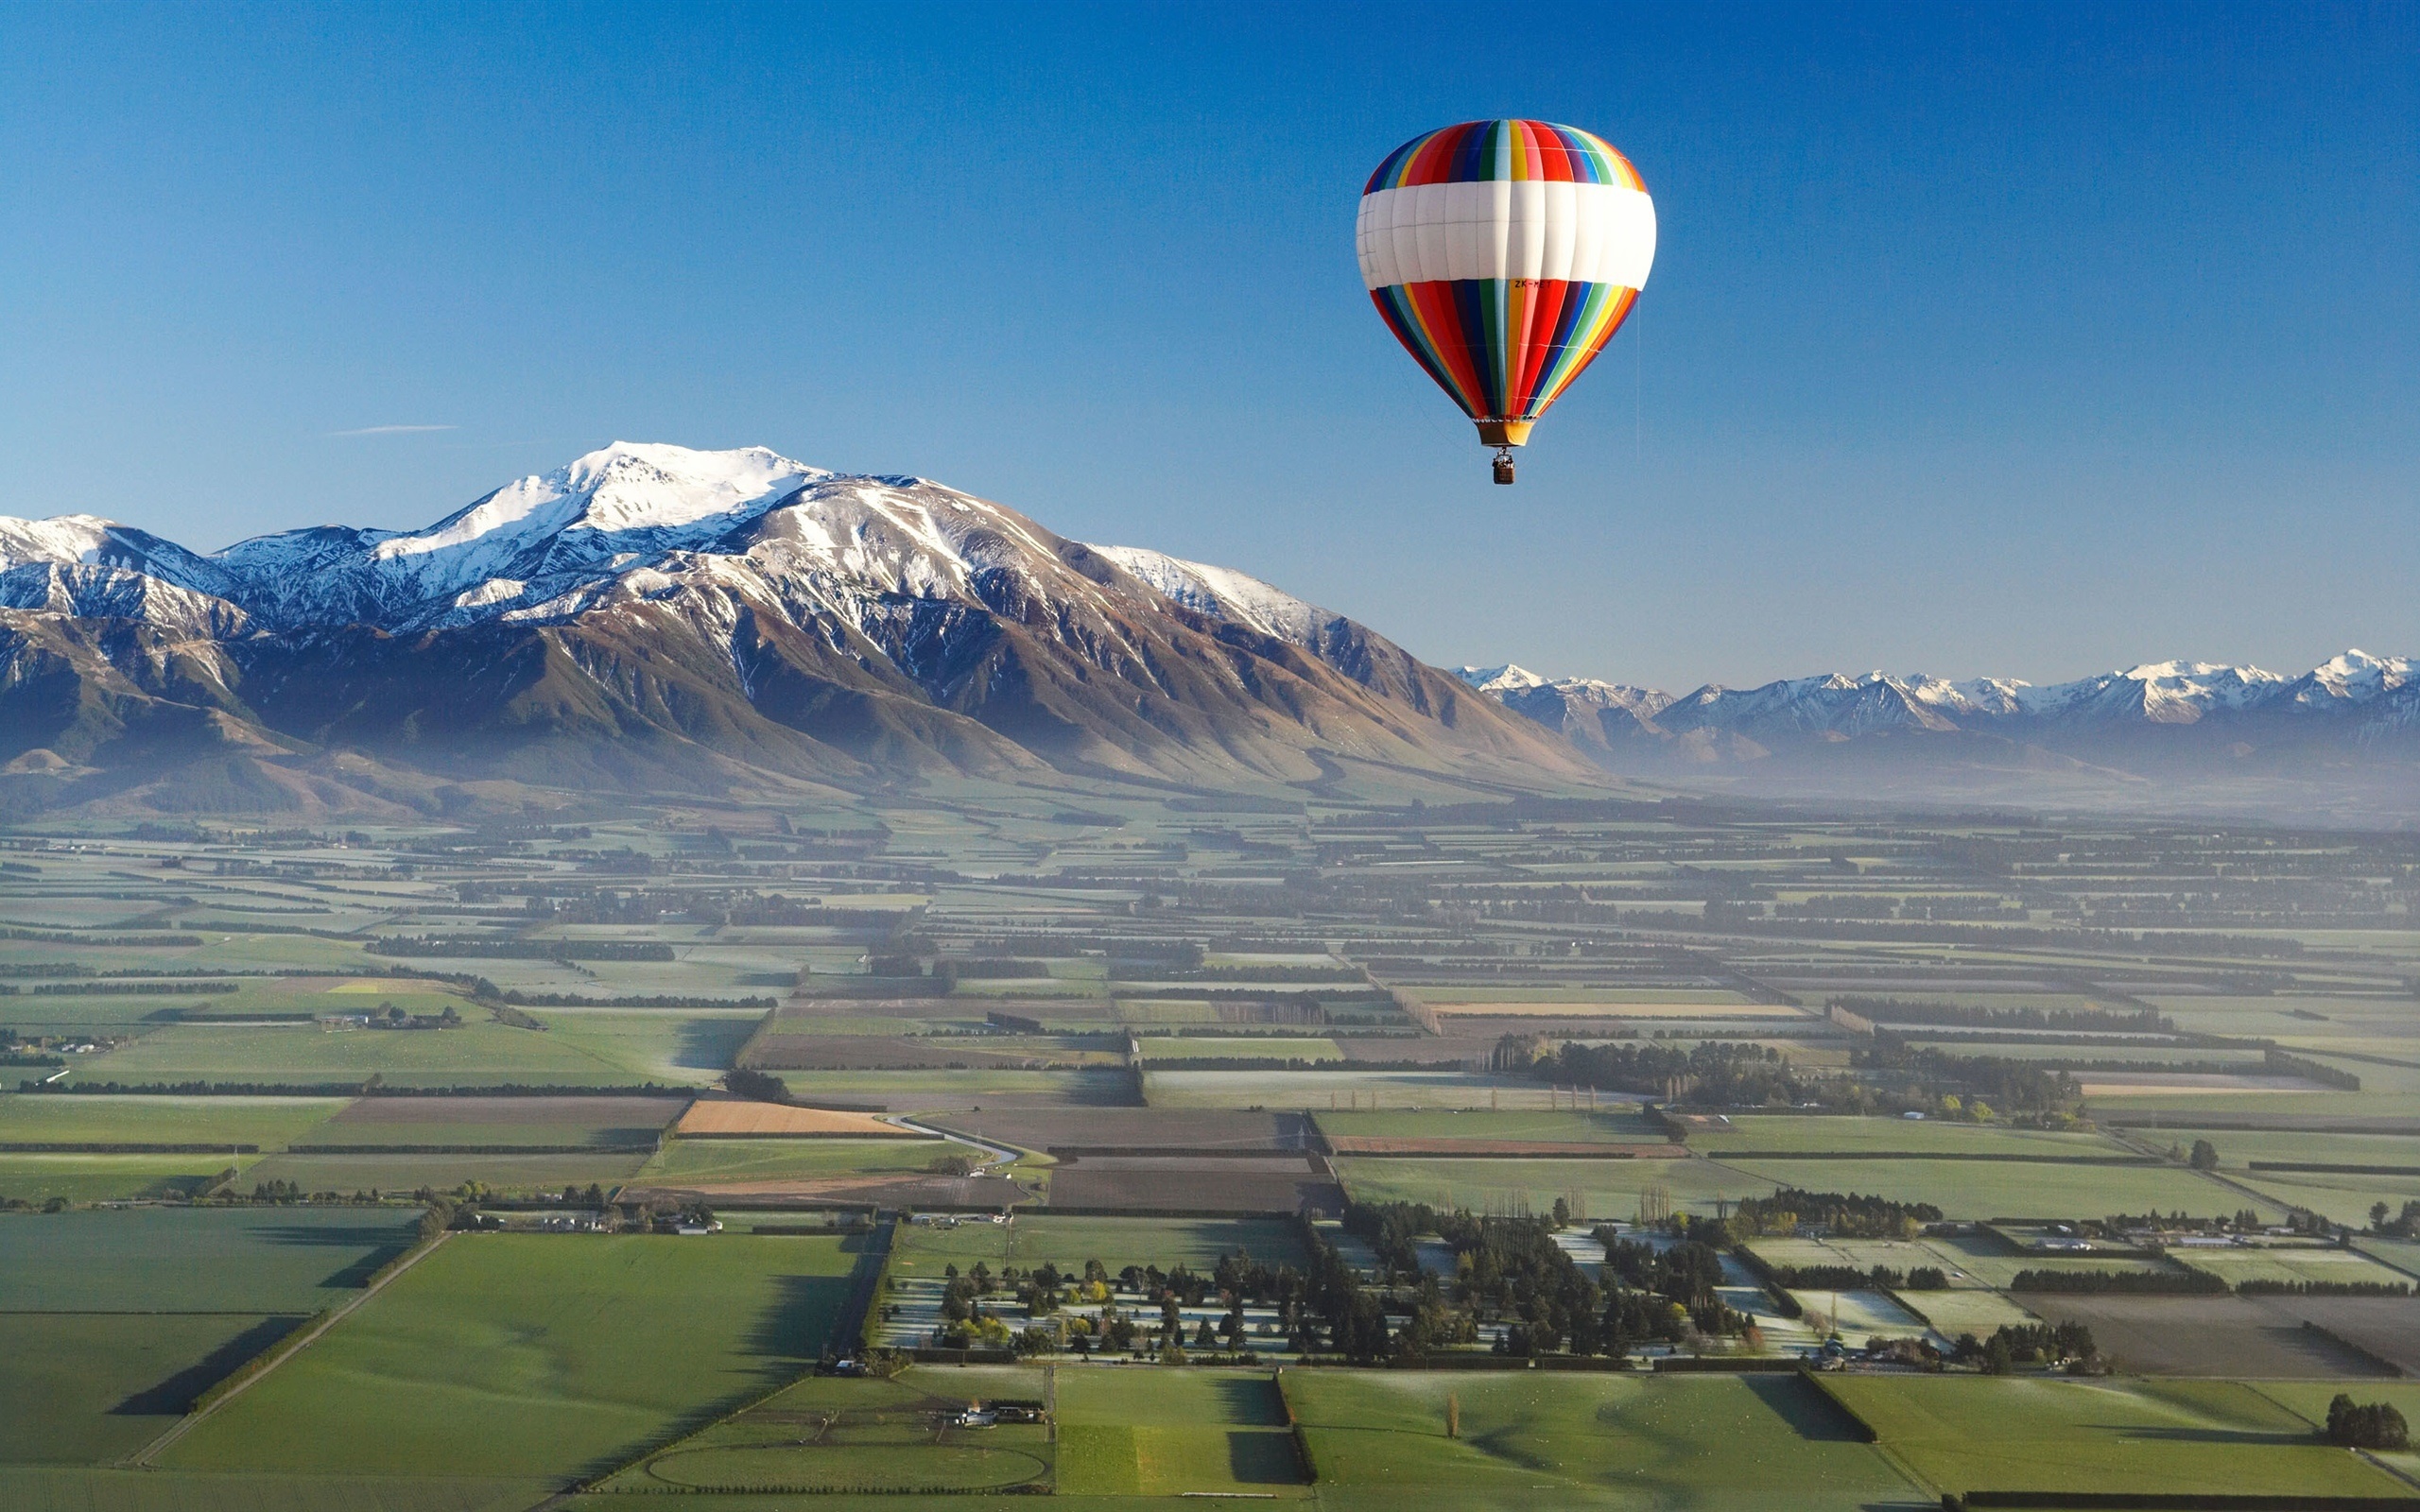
(649, 615)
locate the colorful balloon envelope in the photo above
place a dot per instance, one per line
(1504, 256)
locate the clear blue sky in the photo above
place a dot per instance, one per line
(2026, 339)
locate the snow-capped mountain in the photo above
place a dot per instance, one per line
(2355, 695)
(651, 612)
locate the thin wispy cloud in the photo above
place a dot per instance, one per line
(394, 430)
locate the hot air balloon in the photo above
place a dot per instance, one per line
(1503, 254)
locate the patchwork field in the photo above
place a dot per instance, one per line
(833, 1436)
(1124, 1432)
(511, 1355)
(1531, 1440)
(1117, 1242)
(1592, 1189)
(1969, 1433)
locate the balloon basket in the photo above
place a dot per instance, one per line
(1504, 464)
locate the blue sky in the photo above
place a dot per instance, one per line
(2024, 339)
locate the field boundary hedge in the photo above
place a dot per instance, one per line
(2326, 1168)
(108, 1147)
(467, 1149)
(1294, 1427)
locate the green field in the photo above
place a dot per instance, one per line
(2339, 1197)
(512, 1355)
(478, 1054)
(61, 1119)
(769, 1160)
(1127, 1432)
(1975, 1433)
(1598, 1190)
(826, 1436)
(49, 1488)
(512, 1175)
(1885, 1136)
(1996, 1189)
(1613, 1123)
(1531, 1440)
(2236, 1266)
(241, 1259)
(1324, 1089)
(1221, 1047)
(1117, 1242)
(85, 1387)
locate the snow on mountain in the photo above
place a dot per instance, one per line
(65, 539)
(1225, 593)
(1836, 705)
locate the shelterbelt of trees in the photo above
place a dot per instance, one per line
(1887, 1077)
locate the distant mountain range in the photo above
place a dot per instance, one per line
(657, 618)
(2349, 728)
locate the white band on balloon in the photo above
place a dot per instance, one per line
(1585, 232)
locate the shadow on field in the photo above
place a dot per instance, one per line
(795, 1326)
(1808, 1411)
(1250, 1401)
(711, 1045)
(174, 1396)
(1256, 1456)
(378, 1243)
(2213, 1436)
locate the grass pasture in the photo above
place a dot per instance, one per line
(1785, 1134)
(79, 1389)
(1221, 1047)
(1598, 1190)
(111, 1178)
(1117, 1242)
(478, 1054)
(2012, 1189)
(2236, 1266)
(240, 1259)
(512, 1175)
(695, 1160)
(1531, 1440)
(1128, 1432)
(596, 1122)
(60, 1488)
(529, 1355)
(64, 1119)
(1323, 1089)
(2182, 1438)
(825, 1436)
(1613, 1124)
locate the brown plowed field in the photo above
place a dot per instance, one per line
(1176, 1184)
(1506, 1149)
(708, 1118)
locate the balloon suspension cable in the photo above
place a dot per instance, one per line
(1504, 464)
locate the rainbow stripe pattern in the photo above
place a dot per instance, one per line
(1504, 256)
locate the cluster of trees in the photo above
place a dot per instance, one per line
(391, 1016)
(1925, 1074)
(2371, 1425)
(2402, 1225)
(2018, 1344)
(2079, 1020)
(1712, 1071)
(2121, 1282)
(1842, 1214)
